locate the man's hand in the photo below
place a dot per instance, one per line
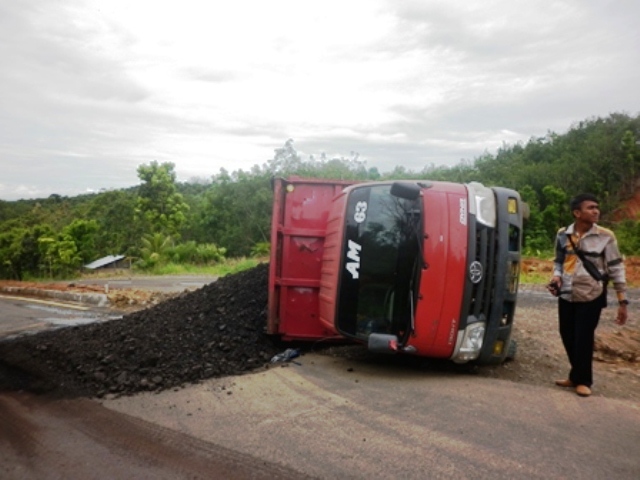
(554, 286)
(622, 316)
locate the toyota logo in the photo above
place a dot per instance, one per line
(476, 272)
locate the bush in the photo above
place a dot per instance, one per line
(628, 235)
(198, 254)
(261, 249)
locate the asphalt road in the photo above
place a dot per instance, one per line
(332, 417)
(43, 438)
(327, 417)
(22, 315)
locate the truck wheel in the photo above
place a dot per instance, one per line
(511, 351)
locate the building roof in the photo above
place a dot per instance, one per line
(104, 261)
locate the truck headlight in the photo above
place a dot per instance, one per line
(482, 203)
(471, 342)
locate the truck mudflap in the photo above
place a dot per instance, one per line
(490, 304)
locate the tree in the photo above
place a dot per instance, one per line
(236, 212)
(285, 160)
(631, 160)
(20, 252)
(155, 248)
(115, 212)
(60, 254)
(556, 211)
(82, 233)
(159, 205)
(12, 253)
(597, 155)
(535, 237)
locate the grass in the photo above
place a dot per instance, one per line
(535, 278)
(226, 267)
(234, 265)
(230, 266)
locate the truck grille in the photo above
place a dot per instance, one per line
(493, 299)
(478, 296)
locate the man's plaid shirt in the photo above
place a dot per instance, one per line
(600, 246)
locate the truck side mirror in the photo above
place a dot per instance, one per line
(406, 190)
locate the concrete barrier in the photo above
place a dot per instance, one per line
(95, 299)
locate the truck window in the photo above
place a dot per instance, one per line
(382, 261)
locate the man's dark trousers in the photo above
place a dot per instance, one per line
(578, 322)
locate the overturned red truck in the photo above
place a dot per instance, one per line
(417, 267)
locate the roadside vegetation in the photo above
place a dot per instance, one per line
(222, 224)
(224, 267)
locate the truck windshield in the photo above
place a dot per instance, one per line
(382, 261)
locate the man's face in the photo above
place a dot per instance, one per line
(589, 212)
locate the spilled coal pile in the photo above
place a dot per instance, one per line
(215, 331)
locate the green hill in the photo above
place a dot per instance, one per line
(162, 220)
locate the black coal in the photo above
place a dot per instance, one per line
(215, 331)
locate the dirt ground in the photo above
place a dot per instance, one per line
(541, 359)
(544, 268)
(168, 341)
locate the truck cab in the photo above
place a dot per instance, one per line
(422, 268)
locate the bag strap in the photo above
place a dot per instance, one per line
(585, 260)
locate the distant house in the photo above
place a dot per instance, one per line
(110, 261)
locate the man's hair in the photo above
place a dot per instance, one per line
(576, 201)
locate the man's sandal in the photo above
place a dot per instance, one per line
(565, 382)
(583, 390)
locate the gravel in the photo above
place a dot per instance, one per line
(541, 359)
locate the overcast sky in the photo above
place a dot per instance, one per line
(89, 90)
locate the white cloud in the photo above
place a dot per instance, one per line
(91, 89)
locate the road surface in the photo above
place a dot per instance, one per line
(42, 438)
(324, 417)
(22, 315)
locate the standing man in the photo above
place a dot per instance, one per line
(581, 296)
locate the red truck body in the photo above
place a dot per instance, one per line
(424, 268)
